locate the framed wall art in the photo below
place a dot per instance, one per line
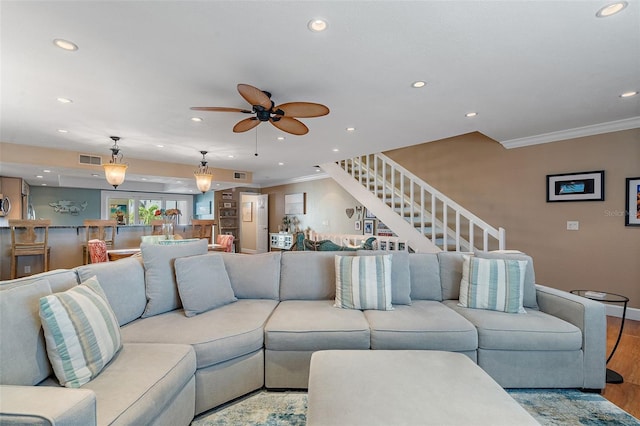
(368, 227)
(295, 203)
(583, 186)
(358, 225)
(632, 202)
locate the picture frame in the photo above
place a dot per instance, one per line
(227, 196)
(632, 202)
(580, 186)
(295, 203)
(203, 207)
(247, 211)
(227, 205)
(369, 215)
(368, 227)
(358, 225)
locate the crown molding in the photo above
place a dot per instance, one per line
(308, 178)
(578, 132)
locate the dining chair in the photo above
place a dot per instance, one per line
(29, 238)
(203, 228)
(97, 229)
(226, 241)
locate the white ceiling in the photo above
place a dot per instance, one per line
(528, 68)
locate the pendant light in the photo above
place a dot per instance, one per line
(115, 170)
(203, 175)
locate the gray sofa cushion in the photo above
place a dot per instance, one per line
(450, 273)
(533, 331)
(219, 335)
(400, 275)
(159, 274)
(23, 355)
(123, 283)
(426, 325)
(254, 276)
(309, 275)
(203, 283)
(529, 300)
(425, 276)
(307, 325)
(59, 280)
(141, 381)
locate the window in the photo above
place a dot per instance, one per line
(138, 208)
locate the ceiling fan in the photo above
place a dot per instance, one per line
(282, 116)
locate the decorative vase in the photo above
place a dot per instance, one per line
(167, 231)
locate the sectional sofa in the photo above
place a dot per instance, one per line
(199, 329)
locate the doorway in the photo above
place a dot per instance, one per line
(254, 223)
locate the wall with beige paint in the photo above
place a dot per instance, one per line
(326, 203)
(507, 187)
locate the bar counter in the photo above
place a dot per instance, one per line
(66, 246)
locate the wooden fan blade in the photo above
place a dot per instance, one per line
(290, 125)
(220, 109)
(254, 96)
(246, 124)
(303, 109)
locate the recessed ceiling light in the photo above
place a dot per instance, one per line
(160, 146)
(63, 131)
(178, 181)
(196, 119)
(611, 9)
(95, 175)
(335, 150)
(351, 129)
(231, 156)
(317, 25)
(471, 114)
(281, 164)
(418, 84)
(46, 171)
(64, 100)
(39, 176)
(628, 94)
(43, 184)
(280, 138)
(65, 44)
(143, 178)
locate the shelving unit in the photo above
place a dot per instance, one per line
(228, 216)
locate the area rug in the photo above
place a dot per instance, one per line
(548, 406)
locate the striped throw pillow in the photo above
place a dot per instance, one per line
(81, 332)
(363, 282)
(494, 284)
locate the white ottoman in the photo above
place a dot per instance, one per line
(376, 387)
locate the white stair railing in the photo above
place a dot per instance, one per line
(449, 226)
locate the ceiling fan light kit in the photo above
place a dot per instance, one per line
(115, 170)
(284, 116)
(203, 175)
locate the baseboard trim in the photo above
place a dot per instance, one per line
(616, 311)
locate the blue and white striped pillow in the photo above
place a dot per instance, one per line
(363, 282)
(81, 332)
(495, 284)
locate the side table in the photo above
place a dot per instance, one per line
(606, 297)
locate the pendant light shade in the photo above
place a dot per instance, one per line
(115, 170)
(203, 175)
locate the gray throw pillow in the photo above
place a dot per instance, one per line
(203, 283)
(530, 300)
(400, 274)
(159, 276)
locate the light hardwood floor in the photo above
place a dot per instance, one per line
(625, 361)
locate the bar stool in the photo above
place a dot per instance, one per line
(25, 241)
(156, 227)
(97, 229)
(203, 228)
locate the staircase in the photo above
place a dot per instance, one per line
(415, 211)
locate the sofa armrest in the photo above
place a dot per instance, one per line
(47, 405)
(590, 317)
